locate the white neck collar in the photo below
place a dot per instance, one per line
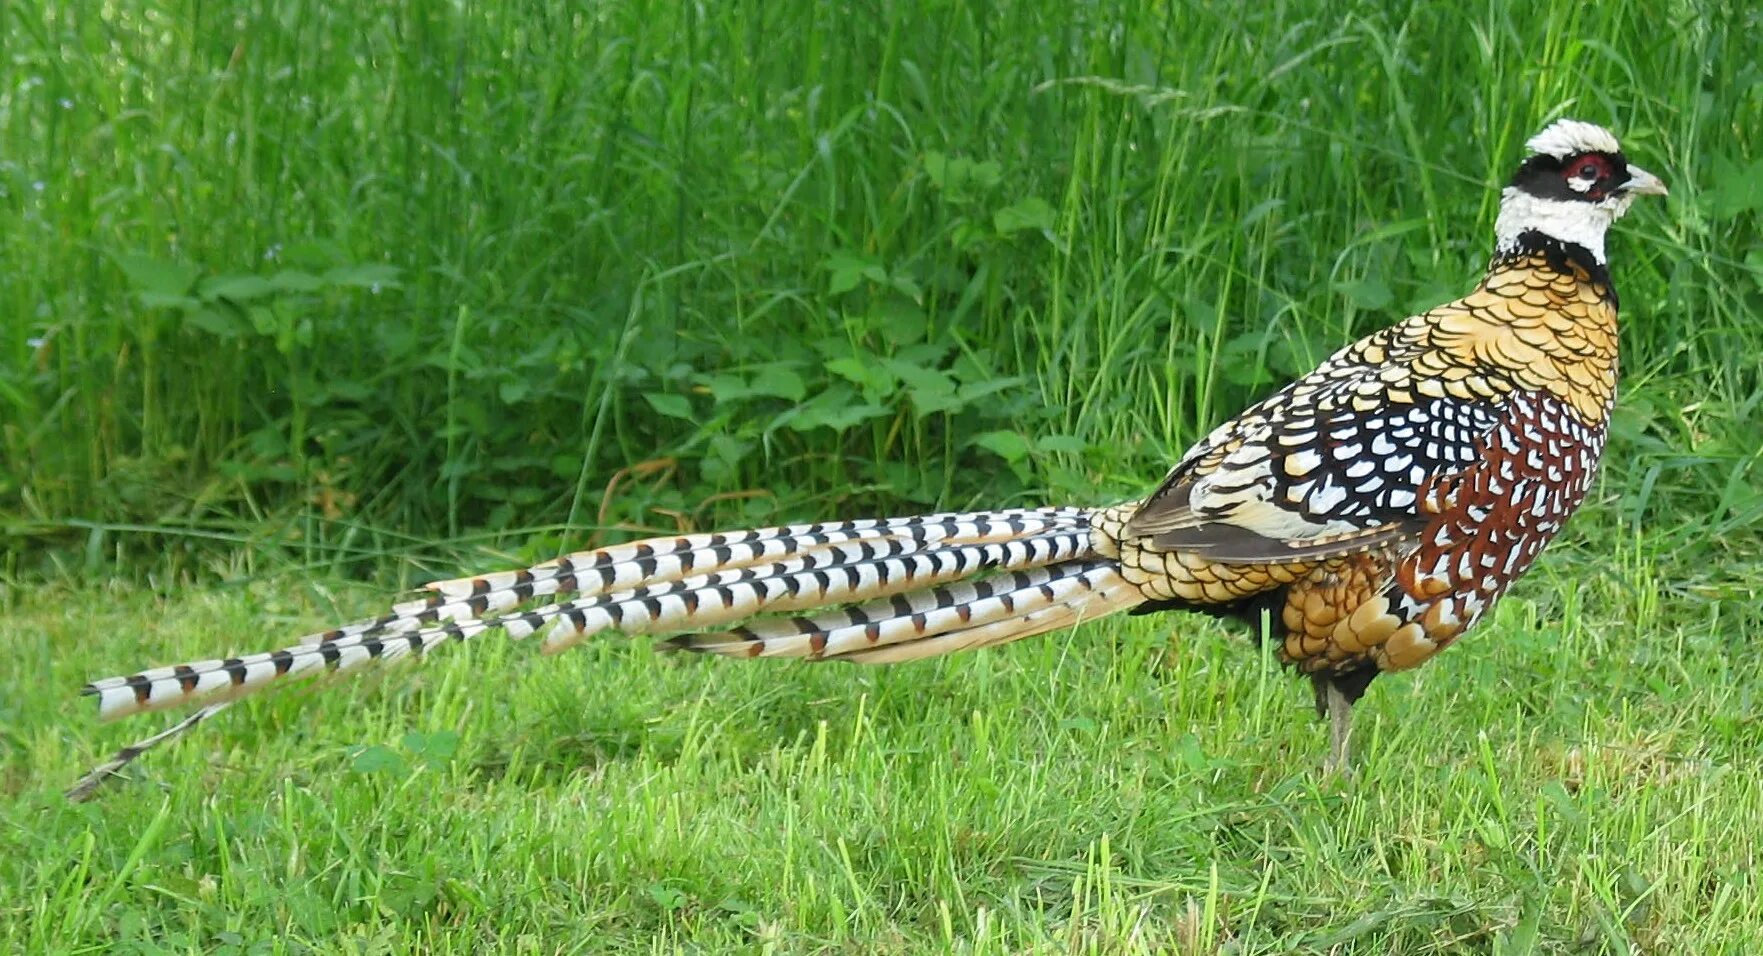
(1580, 223)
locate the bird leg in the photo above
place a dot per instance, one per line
(1333, 702)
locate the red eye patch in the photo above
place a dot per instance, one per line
(1589, 166)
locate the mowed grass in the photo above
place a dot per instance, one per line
(1583, 776)
(299, 295)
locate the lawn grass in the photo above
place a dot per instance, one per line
(303, 294)
(1582, 777)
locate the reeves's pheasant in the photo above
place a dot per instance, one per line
(1370, 512)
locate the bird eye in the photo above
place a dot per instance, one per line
(1588, 171)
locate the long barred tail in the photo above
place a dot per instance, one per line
(898, 589)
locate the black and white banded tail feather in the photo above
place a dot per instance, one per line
(933, 621)
(872, 591)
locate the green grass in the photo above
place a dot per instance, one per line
(1582, 777)
(298, 294)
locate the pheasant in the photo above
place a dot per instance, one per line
(1364, 517)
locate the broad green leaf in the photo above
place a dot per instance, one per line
(919, 378)
(1008, 445)
(1243, 359)
(726, 388)
(1030, 213)
(728, 449)
(868, 374)
(838, 418)
(147, 274)
(906, 287)
(666, 898)
(378, 759)
(986, 173)
(936, 168)
(836, 408)
(1069, 444)
(237, 288)
(849, 271)
(433, 749)
(779, 381)
(924, 354)
(673, 406)
(974, 390)
(293, 280)
(1369, 294)
(961, 177)
(218, 322)
(406, 896)
(161, 300)
(264, 320)
(1737, 189)
(899, 320)
(930, 403)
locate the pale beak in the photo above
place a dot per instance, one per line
(1642, 183)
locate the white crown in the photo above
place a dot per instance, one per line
(1563, 138)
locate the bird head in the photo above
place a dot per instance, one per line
(1575, 183)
